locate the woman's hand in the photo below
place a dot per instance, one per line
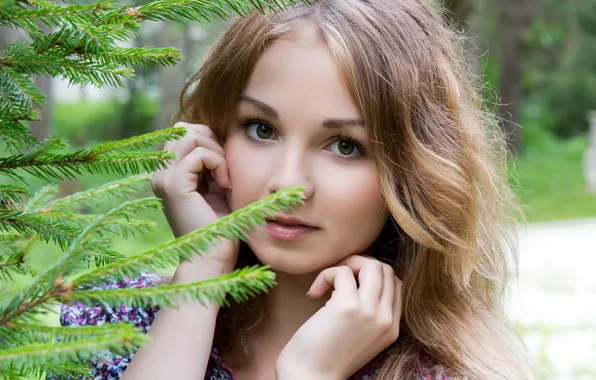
(200, 165)
(356, 324)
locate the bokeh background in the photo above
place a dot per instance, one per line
(538, 58)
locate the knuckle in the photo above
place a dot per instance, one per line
(385, 322)
(200, 151)
(154, 183)
(348, 309)
(203, 129)
(157, 184)
(368, 315)
(169, 188)
(387, 267)
(181, 124)
(394, 331)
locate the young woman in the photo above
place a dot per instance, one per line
(395, 265)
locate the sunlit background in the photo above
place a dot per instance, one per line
(539, 60)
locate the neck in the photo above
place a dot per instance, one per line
(288, 308)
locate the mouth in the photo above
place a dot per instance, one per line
(289, 228)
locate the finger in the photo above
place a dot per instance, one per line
(199, 128)
(398, 302)
(356, 262)
(398, 305)
(388, 295)
(340, 278)
(193, 140)
(187, 171)
(370, 278)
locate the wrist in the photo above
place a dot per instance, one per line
(201, 268)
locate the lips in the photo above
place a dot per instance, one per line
(290, 221)
(289, 228)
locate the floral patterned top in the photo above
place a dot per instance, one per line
(111, 366)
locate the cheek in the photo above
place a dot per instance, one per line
(241, 169)
(358, 209)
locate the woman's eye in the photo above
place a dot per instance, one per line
(259, 131)
(345, 148)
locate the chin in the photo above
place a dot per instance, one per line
(289, 261)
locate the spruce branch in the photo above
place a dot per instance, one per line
(16, 333)
(15, 264)
(69, 165)
(42, 287)
(73, 39)
(13, 256)
(40, 198)
(101, 227)
(139, 56)
(12, 194)
(122, 157)
(34, 355)
(59, 233)
(233, 227)
(15, 133)
(96, 196)
(77, 70)
(80, 219)
(11, 236)
(53, 15)
(239, 285)
(141, 141)
(203, 10)
(61, 370)
(18, 92)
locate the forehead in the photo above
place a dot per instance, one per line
(297, 72)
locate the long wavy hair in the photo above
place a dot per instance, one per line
(442, 162)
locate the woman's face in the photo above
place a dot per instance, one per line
(297, 125)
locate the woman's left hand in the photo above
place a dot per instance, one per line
(356, 324)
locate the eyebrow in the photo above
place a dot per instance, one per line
(328, 123)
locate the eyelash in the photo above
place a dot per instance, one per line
(246, 122)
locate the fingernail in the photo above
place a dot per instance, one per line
(230, 185)
(307, 293)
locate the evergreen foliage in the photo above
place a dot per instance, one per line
(82, 47)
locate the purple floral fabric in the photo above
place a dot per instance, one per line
(111, 366)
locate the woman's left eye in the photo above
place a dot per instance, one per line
(346, 148)
(258, 130)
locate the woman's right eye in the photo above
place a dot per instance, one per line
(258, 130)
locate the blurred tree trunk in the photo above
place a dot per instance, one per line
(171, 78)
(464, 14)
(515, 19)
(127, 128)
(41, 128)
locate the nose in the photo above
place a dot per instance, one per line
(291, 170)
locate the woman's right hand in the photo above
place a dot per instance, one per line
(192, 189)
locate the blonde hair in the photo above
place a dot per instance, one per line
(442, 165)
